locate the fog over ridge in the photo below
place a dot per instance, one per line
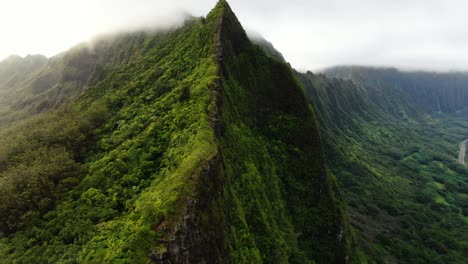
(312, 35)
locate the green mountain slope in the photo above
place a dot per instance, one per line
(266, 114)
(395, 161)
(14, 73)
(432, 91)
(35, 84)
(14, 70)
(186, 146)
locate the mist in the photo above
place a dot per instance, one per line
(50, 27)
(312, 35)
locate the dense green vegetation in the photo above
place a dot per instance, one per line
(396, 165)
(185, 146)
(40, 160)
(194, 145)
(35, 84)
(281, 203)
(431, 91)
(136, 168)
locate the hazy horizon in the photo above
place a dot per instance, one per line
(312, 35)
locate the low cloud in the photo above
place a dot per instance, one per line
(312, 34)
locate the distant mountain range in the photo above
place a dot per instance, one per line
(202, 145)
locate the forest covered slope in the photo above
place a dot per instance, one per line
(184, 146)
(431, 91)
(395, 158)
(199, 144)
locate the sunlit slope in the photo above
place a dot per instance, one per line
(186, 146)
(138, 168)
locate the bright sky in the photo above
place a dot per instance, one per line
(312, 34)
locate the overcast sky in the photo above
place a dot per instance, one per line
(312, 34)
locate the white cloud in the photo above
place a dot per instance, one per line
(312, 34)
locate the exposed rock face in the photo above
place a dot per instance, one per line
(194, 241)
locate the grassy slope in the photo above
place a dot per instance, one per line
(397, 169)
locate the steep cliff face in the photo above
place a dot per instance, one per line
(187, 146)
(14, 74)
(342, 103)
(271, 198)
(431, 91)
(14, 70)
(271, 143)
(394, 156)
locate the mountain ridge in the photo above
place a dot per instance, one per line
(432, 91)
(190, 146)
(393, 157)
(200, 145)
